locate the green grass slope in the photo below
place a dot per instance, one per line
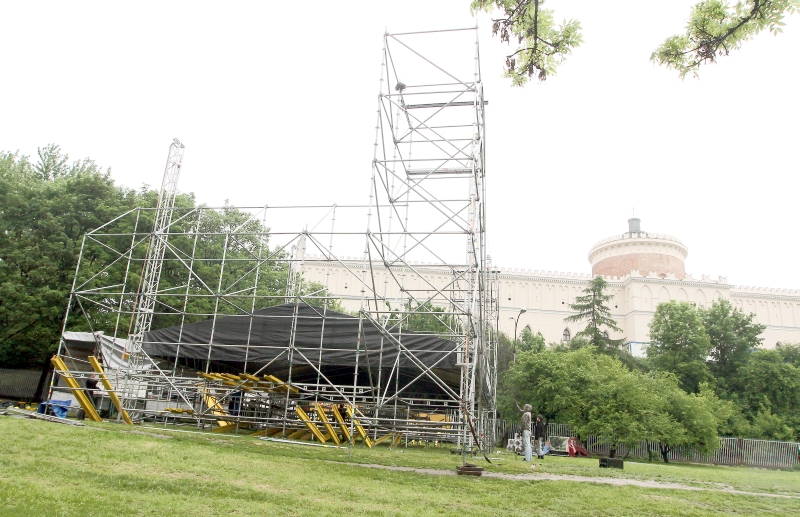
(111, 470)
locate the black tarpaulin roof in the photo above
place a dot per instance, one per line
(328, 341)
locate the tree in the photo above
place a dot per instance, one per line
(714, 29)
(424, 317)
(728, 414)
(768, 388)
(530, 341)
(697, 424)
(733, 337)
(624, 409)
(573, 344)
(591, 308)
(596, 394)
(505, 353)
(45, 208)
(679, 344)
(790, 353)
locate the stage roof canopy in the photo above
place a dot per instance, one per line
(329, 340)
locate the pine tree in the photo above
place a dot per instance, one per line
(592, 309)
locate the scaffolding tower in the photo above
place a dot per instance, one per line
(206, 316)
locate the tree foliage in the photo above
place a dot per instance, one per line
(592, 308)
(596, 394)
(529, 341)
(679, 344)
(45, 209)
(733, 336)
(768, 388)
(543, 43)
(716, 27)
(424, 317)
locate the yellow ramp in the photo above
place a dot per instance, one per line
(327, 423)
(342, 423)
(360, 430)
(79, 392)
(311, 426)
(109, 389)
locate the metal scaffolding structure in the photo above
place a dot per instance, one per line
(203, 316)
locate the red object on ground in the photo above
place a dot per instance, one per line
(575, 447)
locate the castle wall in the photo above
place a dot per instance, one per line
(546, 296)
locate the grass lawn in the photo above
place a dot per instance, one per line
(108, 469)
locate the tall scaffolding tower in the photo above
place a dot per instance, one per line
(225, 329)
(428, 193)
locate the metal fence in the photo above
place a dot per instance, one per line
(19, 384)
(507, 430)
(732, 451)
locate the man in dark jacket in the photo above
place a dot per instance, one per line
(91, 391)
(539, 435)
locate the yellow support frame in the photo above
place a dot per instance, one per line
(327, 423)
(384, 438)
(300, 434)
(212, 403)
(342, 423)
(361, 432)
(77, 391)
(109, 389)
(311, 426)
(280, 386)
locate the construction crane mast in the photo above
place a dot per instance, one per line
(146, 303)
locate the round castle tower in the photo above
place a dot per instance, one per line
(645, 252)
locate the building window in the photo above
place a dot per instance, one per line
(565, 336)
(605, 334)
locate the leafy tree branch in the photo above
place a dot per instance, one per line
(715, 28)
(543, 44)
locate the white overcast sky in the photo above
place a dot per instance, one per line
(275, 104)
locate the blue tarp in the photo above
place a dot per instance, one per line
(59, 407)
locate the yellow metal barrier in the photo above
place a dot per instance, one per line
(79, 392)
(110, 389)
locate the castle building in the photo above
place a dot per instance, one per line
(642, 269)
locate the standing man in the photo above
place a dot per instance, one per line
(526, 430)
(538, 435)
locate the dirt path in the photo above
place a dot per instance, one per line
(576, 479)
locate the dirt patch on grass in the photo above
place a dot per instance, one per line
(153, 435)
(263, 487)
(541, 476)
